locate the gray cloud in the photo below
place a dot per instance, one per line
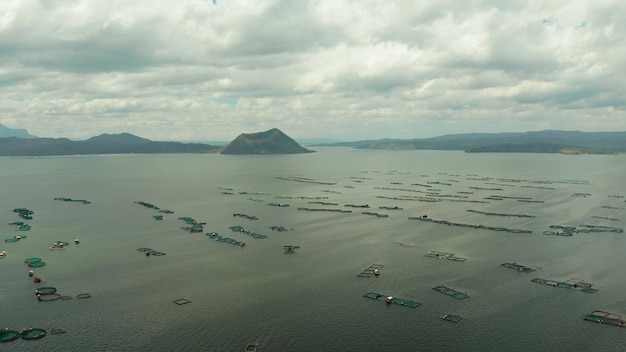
(195, 70)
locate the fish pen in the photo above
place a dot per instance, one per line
(603, 317)
(219, 238)
(482, 227)
(450, 292)
(394, 300)
(371, 270)
(290, 249)
(32, 334)
(237, 228)
(519, 267)
(574, 284)
(7, 335)
(444, 255)
(181, 301)
(150, 252)
(45, 291)
(452, 318)
(378, 215)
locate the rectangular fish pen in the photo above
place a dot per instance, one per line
(370, 270)
(519, 267)
(394, 300)
(450, 292)
(444, 255)
(603, 317)
(574, 284)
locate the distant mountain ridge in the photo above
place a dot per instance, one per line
(549, 141)
(276, 142)
(124, 143)
(271, 141)
(121, 139)
(14, 132)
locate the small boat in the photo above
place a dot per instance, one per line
(376, 272)
(251, 347)
(389, 299)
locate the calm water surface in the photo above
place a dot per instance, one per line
(313, 300)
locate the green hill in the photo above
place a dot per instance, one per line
(269, 142)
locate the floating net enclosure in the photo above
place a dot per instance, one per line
(7, 335)
(49, 297)
(46, 290)
(33, 334)
(181, 301)
(452, 318)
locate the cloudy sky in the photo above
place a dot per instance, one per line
(204, 70)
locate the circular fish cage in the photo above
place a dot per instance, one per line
(46, 290)
(7, 335)
(84, 295)
(37, 264)
(33, 334)
(49, 297)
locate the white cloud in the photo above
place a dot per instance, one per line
(195, 70)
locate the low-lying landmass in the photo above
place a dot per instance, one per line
(566, 142)
(124, 143)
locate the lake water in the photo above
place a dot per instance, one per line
(313, 300)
